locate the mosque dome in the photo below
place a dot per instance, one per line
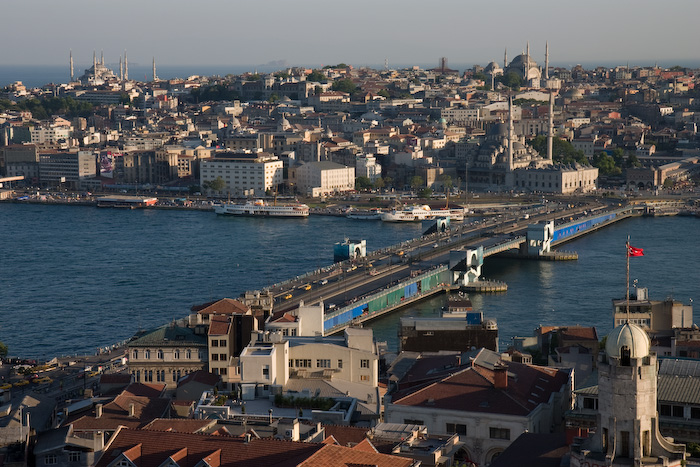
(628, 335)
(499, 129)
(284, 124)
(492, 67)
(521, 60)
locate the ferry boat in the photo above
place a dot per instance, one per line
(421, 213)
(260, 208)
(366, 215)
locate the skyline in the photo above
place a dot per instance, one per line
(312, 33)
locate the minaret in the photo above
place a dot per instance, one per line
(102, 57)
(550, 132)
(510, 133)
(505, 58)
(126, 67)
(154, 69)
(528, 51)
(546, 60)
(72, 75)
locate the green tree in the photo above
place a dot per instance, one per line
(363, 183)
(273, 97)
(316, 76)
(124, 99)
(3, 350)
(344, 85)
(384, 93)
(447, 182)
(425, 193)
(379, 183)
(562, 150)
(668, 183)
(633, 161)
(417, 182)
(282, 75)
(606, 164)
(216, 185)
(511, 79)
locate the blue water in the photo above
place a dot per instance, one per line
(73, 279)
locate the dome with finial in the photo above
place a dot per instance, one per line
(284, 124)
(629, 336)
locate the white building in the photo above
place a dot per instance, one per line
(489, 404)
(366, 166)
(272, 360)
(324, 178)
(245, 174)
(560, 179)
(49, 135)
(306, 320)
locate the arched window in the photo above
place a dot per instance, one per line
(135, 354)
(177, 354)
(625, 356)
(160, 354)
(188, 354)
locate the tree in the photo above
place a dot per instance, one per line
(633, 161)
(425, 193)
(316, 76)
(273, 97)
(417, 182)
(363, 183)
(344, 85)
(282, 75)
(384, 93)
(379, 183)
(562, 150)
(511, 79)
(3, 350)
(216, 185)
(606, 164)
(447, 182)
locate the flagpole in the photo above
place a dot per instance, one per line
(627, 284)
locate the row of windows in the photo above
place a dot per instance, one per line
(321, 363)
(215, 357)
(160, 355)
(677, 411)
(218, 343)
(160, 375)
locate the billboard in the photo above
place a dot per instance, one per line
(107, 164)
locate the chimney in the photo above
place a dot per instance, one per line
(500, 376)
(98, 411)
(131, 410)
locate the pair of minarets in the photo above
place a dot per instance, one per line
(123, 66)
(550, 131)
(527, 64)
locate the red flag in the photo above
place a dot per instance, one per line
(632, 251)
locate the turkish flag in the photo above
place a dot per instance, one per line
(632, 251)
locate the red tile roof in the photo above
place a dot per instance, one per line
(225, 306)
(145, 389)
(219, 325)
(346, 435)
(332, 455)
(116, 413)
(200, 376)
(179, 425)
(154, 448)
(473, 390)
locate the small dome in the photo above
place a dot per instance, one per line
(628, 335)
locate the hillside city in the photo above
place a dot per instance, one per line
(241, 381)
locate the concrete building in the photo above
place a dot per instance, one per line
(273, 360)
(306, 320)
(167, 354)
(68, 168)
(489, 404)
(557, 179)
(50, 135)
(244, 174)
(654, 316)
(366, 166)
(323, 178)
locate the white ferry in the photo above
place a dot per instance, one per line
(421, 213)
(367, 215)
(260, 208)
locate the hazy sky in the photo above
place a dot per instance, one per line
(358, 32)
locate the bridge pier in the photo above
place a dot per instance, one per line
(538, 239)
(466, 266)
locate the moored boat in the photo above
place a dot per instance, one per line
(260, 208)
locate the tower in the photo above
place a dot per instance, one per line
(505, 59)
(102, 57)
(126, 67)
(546, 60)
(550, 131)
(154, 69)
(72, 74)
(510, 134)
(527, 53)
(627, 421)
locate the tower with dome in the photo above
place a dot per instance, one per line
(526, 68)
(627, 421)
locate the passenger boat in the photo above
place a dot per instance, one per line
(260, 208)
(421, 213)
(364, 214)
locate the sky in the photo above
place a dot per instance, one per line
(357, 32)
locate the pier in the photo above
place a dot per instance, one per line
(358, 290)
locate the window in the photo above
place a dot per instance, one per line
(215, 343)
(147, 354)
(74, 456)
(135, 354)
(499, 433)
(364, 377)
(160, 354)
(665, 410)
(413, 421)
(188, 354)
(678, 411)
(214, 357)
(323, 363)
(223, 371)
(222, 343)
(695, 412)
(222, 357)
(340, 363)
(364, 363)
(50, 459)
(177, 354)
(266, 371)
(302, 363)
(457, 428)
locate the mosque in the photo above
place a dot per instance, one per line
(526, 68)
